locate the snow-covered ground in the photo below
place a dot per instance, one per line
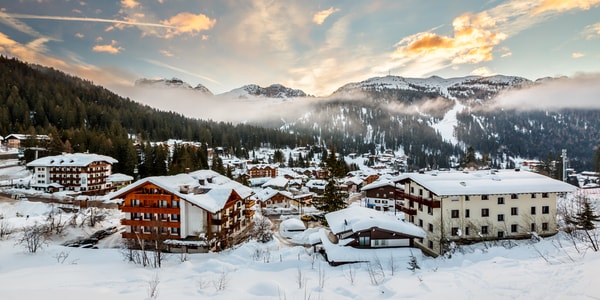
(549, 269)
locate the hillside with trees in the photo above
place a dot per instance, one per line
(80, 116)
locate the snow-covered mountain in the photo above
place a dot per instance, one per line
(451, 88)
(171, 83)
(252, 91)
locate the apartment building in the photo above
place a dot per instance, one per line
(460, 207)
(202, 209)
(79, 172)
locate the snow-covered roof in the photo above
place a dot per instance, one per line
(292, 224)
(354, 180)
(71, 160)
(119, 177)
(453, 183)
(278, 181)
(214, 194)
(26, 136)
(378, 184)
(358, 218)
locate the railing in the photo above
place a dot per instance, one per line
(151, 209)
(418, 199)
(147, 236)
(406, 210)
(149, 223)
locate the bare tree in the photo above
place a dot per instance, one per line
(153, 286)
(5, 229)
(34, 237)
(262, 229)
(222, 281)
(350, 274)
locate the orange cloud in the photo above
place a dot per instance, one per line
(129, 3)
(592, 31)
(108, 48)
(564, 5)
(473, 41)
(321, 16)
(188, 23)
(577, 55)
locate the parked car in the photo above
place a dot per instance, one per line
(100, 234)
(110, 230)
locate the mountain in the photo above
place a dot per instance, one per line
(253, 91)
(470, 87)
(175, 83)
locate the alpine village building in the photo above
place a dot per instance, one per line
(192, 212)
(84, 173)
(465, 207)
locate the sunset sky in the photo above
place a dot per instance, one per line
(316, 46)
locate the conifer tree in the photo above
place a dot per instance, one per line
(585, 220)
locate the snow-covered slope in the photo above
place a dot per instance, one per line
(171, 83)
(459, 87)
(252, 91)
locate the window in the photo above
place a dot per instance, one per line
(484, 229)
(162, 203)
(467, 213)
(364, 240)
(430, 227)
(174, 217)
(533, 210)
(420, 207)
(147, 216)
(484, 197)
(500, 200)
(174, 230)
(430, 210)
(135, 216)
(467, 231)
(545, 210)
(135, 202)
(485, 212)
(514, 211)
(411, 204)
(412, 190)
(454, 231)
(146, 229)
(430, 244)
(454, 213)
(544, 195)
(420, 223)
(533, 195)
(532, 228)
(545, 226)
(420, 192)
(514, 196)
(501, 218)
(467, 198)
(514, 228)
(500, 234)
(175, 203)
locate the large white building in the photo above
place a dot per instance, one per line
(480, 205)
(80, 172)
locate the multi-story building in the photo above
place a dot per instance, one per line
(17, 140)
(262, 170)
(482, 205)
(202, 210)
(382, 195)
(79, 172)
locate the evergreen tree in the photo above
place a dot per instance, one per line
(585, 220)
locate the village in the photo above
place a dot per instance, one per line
(203, 211)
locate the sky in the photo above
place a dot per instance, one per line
(316, 46)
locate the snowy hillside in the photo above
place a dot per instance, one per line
(253, 91)
(171, 83)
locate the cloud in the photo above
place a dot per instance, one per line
(320, 16)
(564, 5)
(581, 91)
(591, 32)
(79, 35)
(577, 55)
(474, 39)
(129, 3)
(188, 23)
(111, 48)
(84, 19)
(166, 53)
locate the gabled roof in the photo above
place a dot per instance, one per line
(211, 195)
(378, 184)
(454, 183)
(71, 160)
(278, 181)
(358, 218)
(26, 136)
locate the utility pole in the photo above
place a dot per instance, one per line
(564, 164)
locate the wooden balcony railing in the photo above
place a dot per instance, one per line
(429, 202)
(150, 223)
(151, 209)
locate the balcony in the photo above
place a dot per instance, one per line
(249, 213)
(150, 223)
(151, 209)
(250, 204)
(406, 210)
(147, 236)
(428, 202)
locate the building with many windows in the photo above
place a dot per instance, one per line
(481, 205)
(201, 210)
(79, 172)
